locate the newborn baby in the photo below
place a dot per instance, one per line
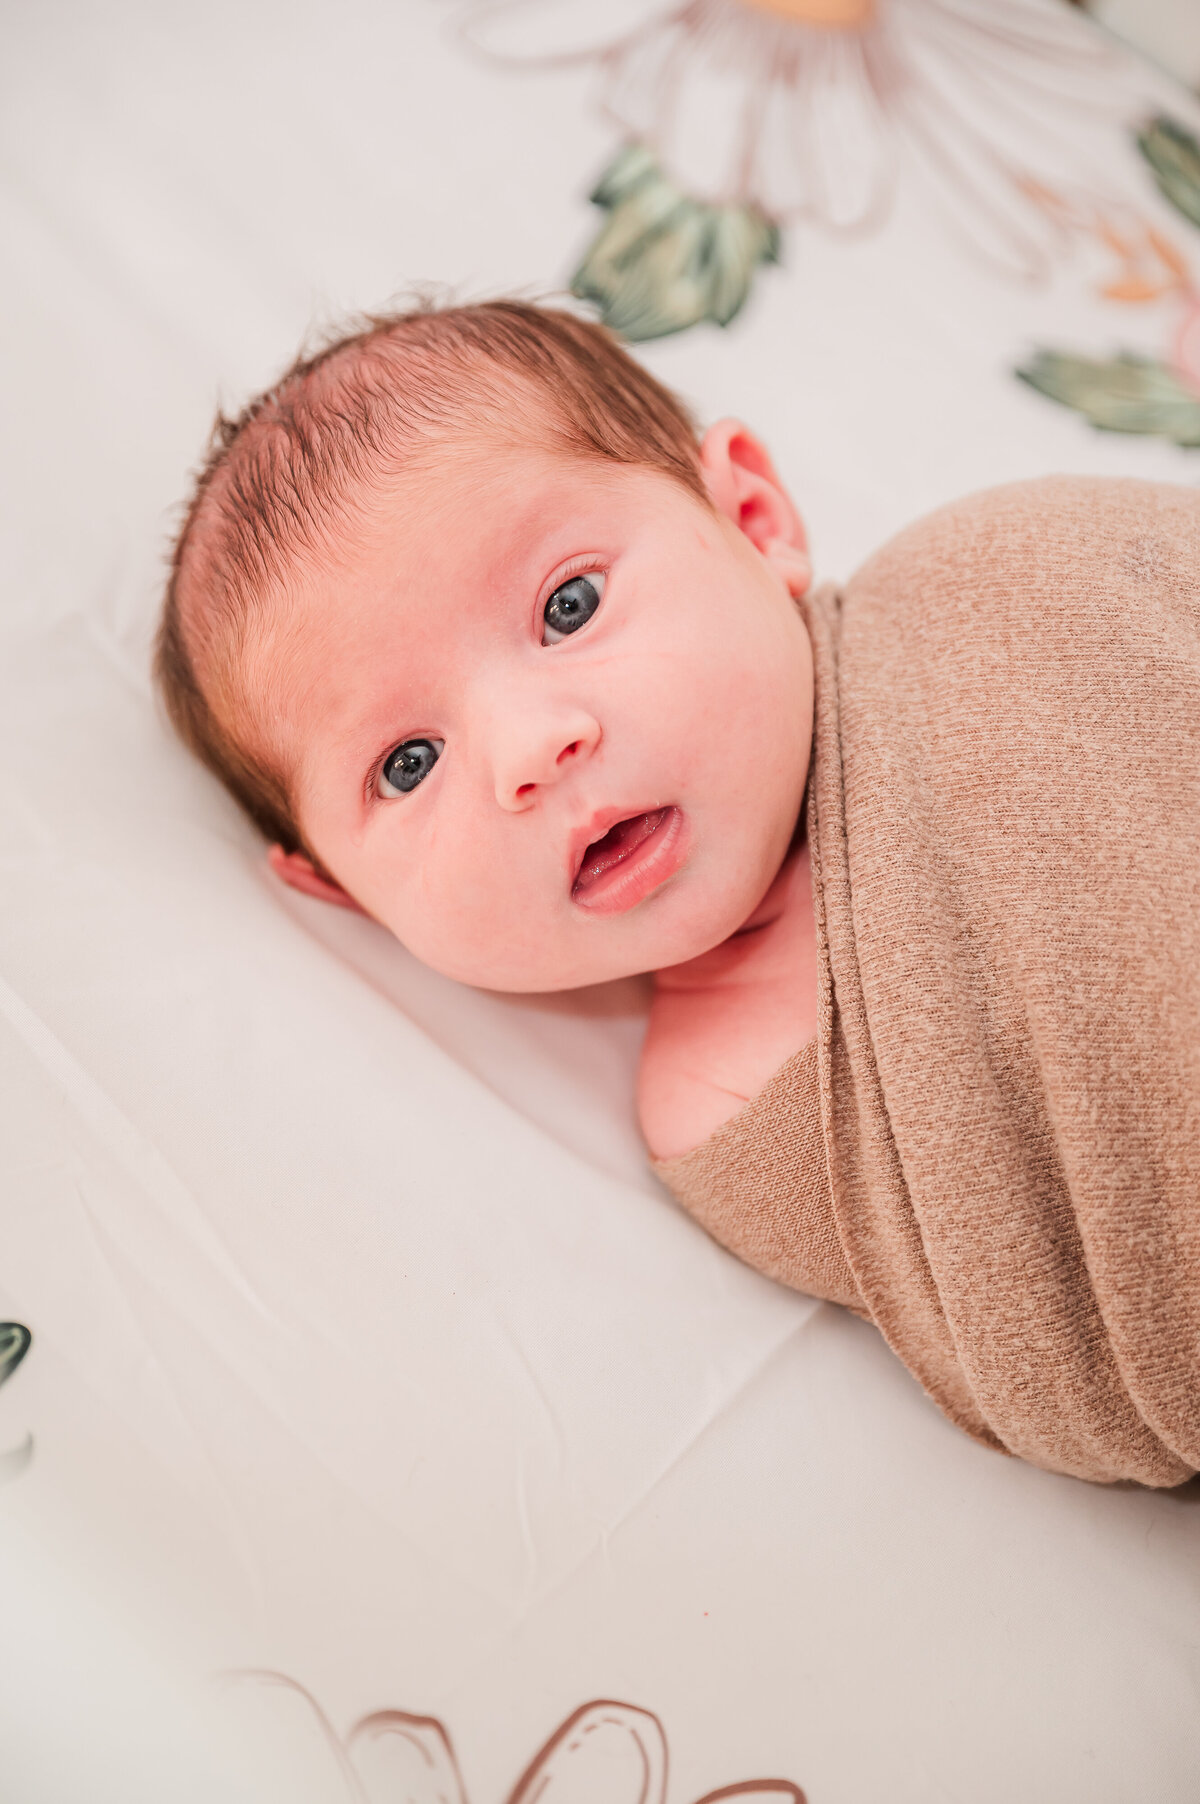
(493, 648)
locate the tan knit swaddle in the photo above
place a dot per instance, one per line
(1004, 815)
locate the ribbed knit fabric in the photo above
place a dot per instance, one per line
(1004, 817)
(760, 1186)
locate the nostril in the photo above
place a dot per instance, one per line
(525, 789)
(568, 751)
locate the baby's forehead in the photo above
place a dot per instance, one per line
(295, 498)
(311, 455)
(470, 498)
(442, 530)
(420, 565)
(376, 430)
(463, 518)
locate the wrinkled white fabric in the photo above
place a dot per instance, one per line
(365, 1348)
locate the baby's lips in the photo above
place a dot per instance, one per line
(619, 843)
(630, 863)
(589, 832)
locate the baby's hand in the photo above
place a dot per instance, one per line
(722, 1024)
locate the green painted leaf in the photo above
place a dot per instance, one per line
(15, 1340)
(1119, 394)
(632, 168)
(1174, 155)
(661, 261)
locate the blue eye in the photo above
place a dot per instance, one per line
(571, 606)
(408, 765)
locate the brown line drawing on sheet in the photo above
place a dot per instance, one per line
(605, 1752)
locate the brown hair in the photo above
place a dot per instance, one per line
(281, 476)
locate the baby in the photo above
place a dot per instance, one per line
(494, 648)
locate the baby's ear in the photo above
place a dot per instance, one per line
(745, 486)
(302, 874)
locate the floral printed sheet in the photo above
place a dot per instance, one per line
(371, 1426)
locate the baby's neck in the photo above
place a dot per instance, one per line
(722, 1024)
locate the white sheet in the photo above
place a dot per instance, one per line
(365, 1348)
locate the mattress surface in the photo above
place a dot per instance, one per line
(381, 1413)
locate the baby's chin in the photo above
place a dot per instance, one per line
(554, 982)
(635, 931)
(613, 957)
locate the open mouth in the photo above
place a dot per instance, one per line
(630, 860)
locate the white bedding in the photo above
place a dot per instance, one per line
(366, 1351)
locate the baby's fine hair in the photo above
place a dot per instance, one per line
(306, 458)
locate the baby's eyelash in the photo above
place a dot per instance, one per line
(578, 566)
(370, 792)
(371, 786)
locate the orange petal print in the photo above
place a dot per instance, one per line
(1169, 255)
(1150, 264)
(1132, 288)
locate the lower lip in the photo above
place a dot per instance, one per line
(624, 885)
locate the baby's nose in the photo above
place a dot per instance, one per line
(532, 753)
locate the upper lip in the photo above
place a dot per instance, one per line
(594, 828)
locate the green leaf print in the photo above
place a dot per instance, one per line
(662, 262)
(1174, 155)
(15, 1341)
(1119, 394)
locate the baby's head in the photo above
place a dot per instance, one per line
(490, 646)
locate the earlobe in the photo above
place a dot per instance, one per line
(745, 486)
(791, 564)
(300, 873)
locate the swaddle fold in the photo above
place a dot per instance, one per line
(1004, 817)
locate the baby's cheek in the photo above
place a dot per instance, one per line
(464, 920)
(724, 722)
